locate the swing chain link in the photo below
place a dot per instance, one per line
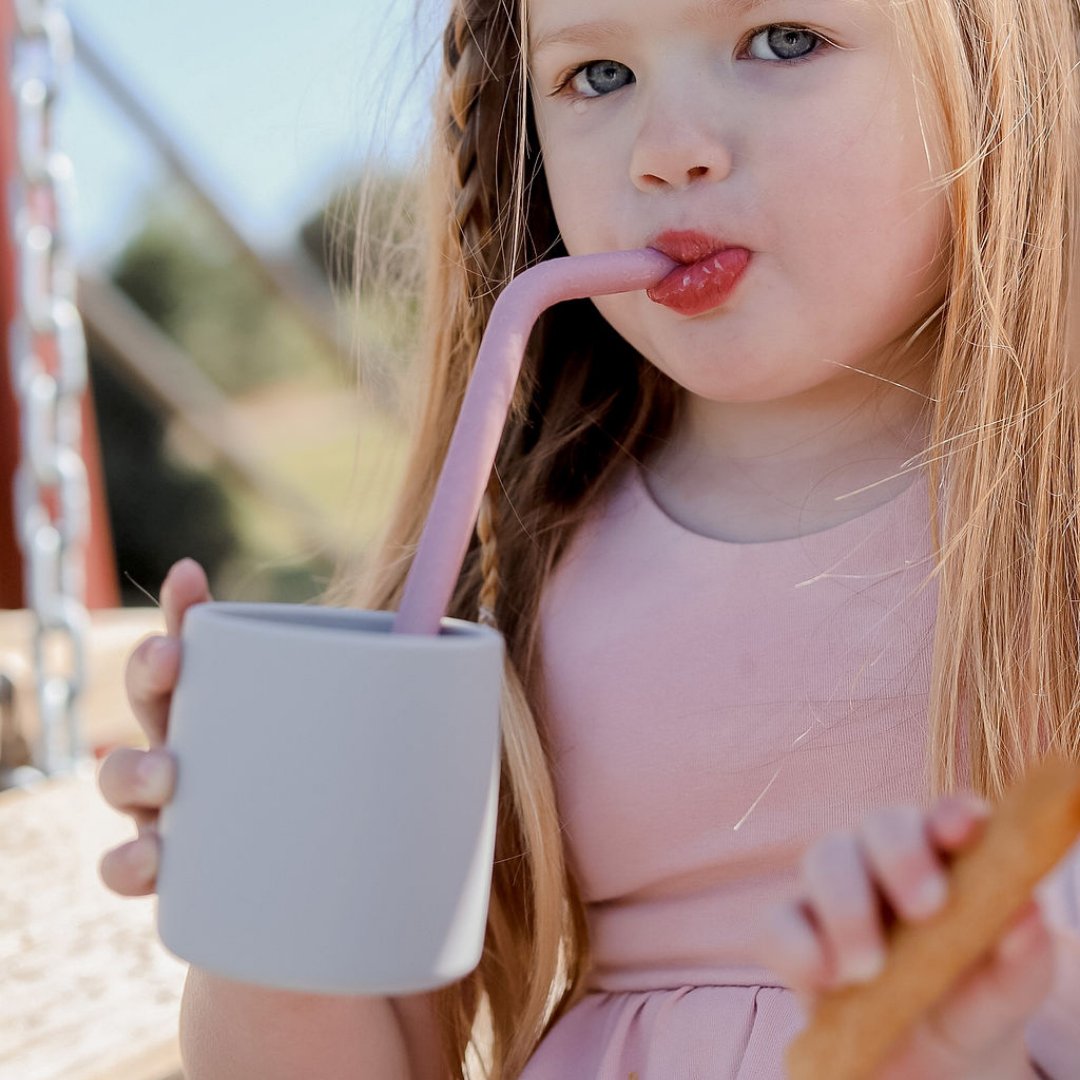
(49, 368)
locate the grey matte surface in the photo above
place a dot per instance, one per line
(333, 826)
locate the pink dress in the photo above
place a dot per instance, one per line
(716, 707)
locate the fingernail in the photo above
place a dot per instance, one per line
(172, 569)
(865, 966)
(152, 776)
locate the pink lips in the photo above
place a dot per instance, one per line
(711, 269)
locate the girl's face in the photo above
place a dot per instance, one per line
(791, 130)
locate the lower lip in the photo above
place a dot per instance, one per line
(699, 287)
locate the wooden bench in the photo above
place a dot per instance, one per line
(87, 990)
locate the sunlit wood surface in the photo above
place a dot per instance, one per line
(87, 991)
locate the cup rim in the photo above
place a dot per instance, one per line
(273, 617)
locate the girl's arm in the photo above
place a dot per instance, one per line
(230, 1029)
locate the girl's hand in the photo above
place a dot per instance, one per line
(855, 886)
(141, 782)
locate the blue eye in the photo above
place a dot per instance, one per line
(788, 44)
(599, 75)
(786, 40)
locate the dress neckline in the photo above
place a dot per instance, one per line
(856, 527)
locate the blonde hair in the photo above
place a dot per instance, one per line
(1005, 423)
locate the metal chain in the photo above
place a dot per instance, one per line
(48, 355)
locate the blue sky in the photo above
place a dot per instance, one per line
(271, 101)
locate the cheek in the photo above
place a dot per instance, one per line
(579, 196)
(861, 220)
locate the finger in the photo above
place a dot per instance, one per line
(957, 821)
(131, 869)
(140, 781)
(1027, 929)
(842, 898)
(793, 948)
(185, 584)
(150, 678)
(900, 852)
(994, 1000)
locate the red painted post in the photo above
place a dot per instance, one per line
(102, 590)
(11, 581)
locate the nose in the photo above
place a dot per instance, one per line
(679, 144)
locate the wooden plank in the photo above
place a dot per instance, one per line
(160, 1063)
(87, 991)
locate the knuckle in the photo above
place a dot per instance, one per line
(155, 774)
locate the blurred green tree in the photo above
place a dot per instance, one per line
(186, 279)
(159, 511)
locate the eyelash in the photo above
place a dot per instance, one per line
(823, 46)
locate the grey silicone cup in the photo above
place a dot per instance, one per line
(333, 825)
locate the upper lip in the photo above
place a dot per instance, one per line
(688, 245)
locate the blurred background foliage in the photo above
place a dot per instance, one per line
(324, 421)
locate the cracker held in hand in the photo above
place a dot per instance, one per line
(852, 1030)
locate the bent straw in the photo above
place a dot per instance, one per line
(475, 441)
(852, 1030)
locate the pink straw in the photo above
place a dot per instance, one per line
(480, 424)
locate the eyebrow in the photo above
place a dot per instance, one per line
(591, 33)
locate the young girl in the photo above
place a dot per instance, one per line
(785, 554)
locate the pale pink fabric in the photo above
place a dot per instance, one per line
(716, 707)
